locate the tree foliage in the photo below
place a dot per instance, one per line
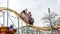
(55, 21)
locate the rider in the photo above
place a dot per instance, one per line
(29, 13)
(31, 20)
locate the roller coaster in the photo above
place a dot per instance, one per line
(30, 28)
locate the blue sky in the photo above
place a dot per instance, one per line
(37, 7)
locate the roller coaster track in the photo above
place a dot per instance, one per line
(32, 26)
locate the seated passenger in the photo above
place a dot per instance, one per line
(23, 14)
(31, 20)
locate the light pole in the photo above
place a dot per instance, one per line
(7, 11)
(51, 32)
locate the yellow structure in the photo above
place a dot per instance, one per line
(31, 26)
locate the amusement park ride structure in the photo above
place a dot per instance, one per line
(28, 25)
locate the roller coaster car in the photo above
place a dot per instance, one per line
(27, 18)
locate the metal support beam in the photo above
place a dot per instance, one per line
(18, 27)
(27, 28)
(22, 30)
(32, 31)
(7, 11)
(3, 18)
(37, 31)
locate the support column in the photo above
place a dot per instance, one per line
(22, 30)
(32, 31)
(3, 18)
(37, 31)
(7, 11)
(18, 27)
(27, 28)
